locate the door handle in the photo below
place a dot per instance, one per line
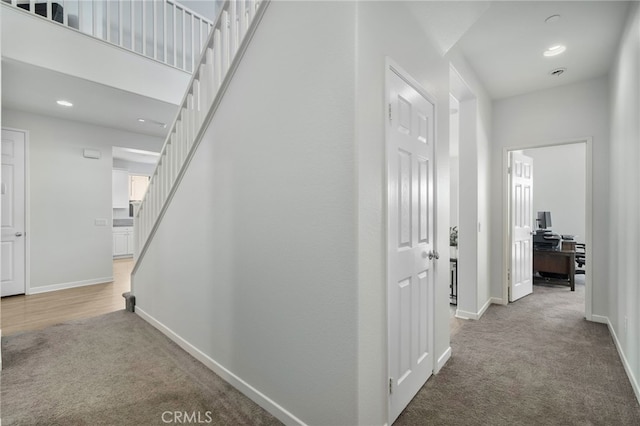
(18, 234)
(433, 254)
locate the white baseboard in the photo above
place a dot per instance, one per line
(602, 320)
(473, 315)
(62, 286)
(442, 360)
(497, 301)
(484, 308)
(249, 391)
(627, 368)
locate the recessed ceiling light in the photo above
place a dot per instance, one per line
(557, 72)
(551, 19)
(554, 50)
(157, 123)
(64, 103)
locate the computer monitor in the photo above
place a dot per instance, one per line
(544, 220)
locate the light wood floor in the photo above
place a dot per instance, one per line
(23, 313)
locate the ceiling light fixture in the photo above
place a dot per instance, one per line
(554, 50)
(551, 19)
(148, 120)
(64, 103)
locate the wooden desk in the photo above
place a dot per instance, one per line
(556, 262)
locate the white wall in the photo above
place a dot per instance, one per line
(134, 167)
(255, 261)
(475, 232)
(559, 185)
(67, 193)
(623, 307)
(389, 29)
(454, 164)
(564, 113)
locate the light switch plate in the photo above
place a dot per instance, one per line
(101, 222)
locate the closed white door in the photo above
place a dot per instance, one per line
(12, 189)
(521, 225)
(411, 250)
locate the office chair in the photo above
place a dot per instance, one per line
(581, 257)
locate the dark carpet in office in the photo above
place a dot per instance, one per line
(113, 370)
(534, 362)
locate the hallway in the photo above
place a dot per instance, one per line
(535, 361)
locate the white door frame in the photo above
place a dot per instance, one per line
(392, 67)
(27, 210)
(588, 210)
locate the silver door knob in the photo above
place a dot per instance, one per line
(431, 255)
(436, 254)
(18, 234)
(424, 254)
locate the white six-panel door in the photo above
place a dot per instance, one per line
(521, 225)
(411, 251)
(12, 190)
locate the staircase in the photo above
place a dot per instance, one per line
(222, 52)
(161, 30)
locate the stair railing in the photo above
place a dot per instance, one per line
(162, 30)
(232, 31)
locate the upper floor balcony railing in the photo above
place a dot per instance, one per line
(163, 30)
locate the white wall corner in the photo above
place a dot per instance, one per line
(498, 301)
(442, 360)
(627, 367)
(484, 308)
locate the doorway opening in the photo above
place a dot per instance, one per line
(562, 186)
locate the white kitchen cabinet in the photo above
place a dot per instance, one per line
(120, 189)
(122, 241)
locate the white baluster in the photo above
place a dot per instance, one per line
(217, 61)
(175, 36)
(225, 43)
(165, 32)
(155, 30)
(120, 23)
(242, 15)
(233, 29)
(184, 40)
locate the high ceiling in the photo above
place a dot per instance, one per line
(505, 45)
(503, 42)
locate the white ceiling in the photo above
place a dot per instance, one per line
(503, 42)
(505, 45)
(30, 88)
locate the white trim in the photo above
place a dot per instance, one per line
(497, 301)
(63, 286)
(484, 308)
(249, 391)
(442, 360)
(588, 211)
(600, 319)
(467, 315)
(475, 315)
(627, 368)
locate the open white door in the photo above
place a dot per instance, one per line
(411, 250)
(12, 189)
(520, 225)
